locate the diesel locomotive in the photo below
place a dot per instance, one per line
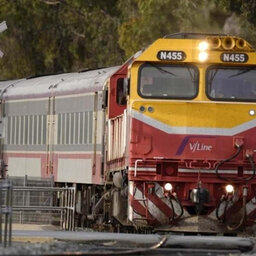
(165, 141)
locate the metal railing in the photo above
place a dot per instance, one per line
(56, 203)
(60, 200)
(37, 201)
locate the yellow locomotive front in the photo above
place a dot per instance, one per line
(192, 108)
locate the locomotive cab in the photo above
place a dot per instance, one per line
(192, 125)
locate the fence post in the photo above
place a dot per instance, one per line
(24, 198)
(10, 212)
(61, 213)
(7, 186)
(6, 213)
(69, 210)
(1, 202)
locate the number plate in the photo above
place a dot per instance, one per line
(234, 57)
(171, 55)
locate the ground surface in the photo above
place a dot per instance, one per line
(49, 240)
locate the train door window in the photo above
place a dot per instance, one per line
(105, 99)
(44, 130)
(120, 92)
(90, 122)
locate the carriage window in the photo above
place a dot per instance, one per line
(168, 81)
(231, 83)
(120, 95)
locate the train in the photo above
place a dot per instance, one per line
(164, 142)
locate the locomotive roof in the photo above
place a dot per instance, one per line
(60, 84)
(183, 35)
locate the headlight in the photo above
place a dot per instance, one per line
(168, 186)
(252, 112)
(203, 56)
(203, 46)
(229, 188)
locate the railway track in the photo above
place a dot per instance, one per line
(99, 243)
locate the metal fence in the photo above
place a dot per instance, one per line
(36, 201)
(29, 181)
(56, 204)
(6, 212)
(32, 202)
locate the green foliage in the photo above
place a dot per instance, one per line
(155, 19)
(67, 36)
(50, 36)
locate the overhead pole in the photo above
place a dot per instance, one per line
(3, 27)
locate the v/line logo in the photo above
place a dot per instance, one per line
(197, 146)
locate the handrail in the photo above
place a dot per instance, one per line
(136, 164)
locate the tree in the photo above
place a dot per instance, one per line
(51, 36)
(245, 11)
(147, 20)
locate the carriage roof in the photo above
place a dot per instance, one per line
(60, 84)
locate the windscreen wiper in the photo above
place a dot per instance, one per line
(161, 69)
(241, 72)
(212, 77)
(193, 79)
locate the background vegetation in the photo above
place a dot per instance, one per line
(51, 36)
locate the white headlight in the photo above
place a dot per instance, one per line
(252, 112)
(203, 46)
(229, 188)
(203, 56)
(168, 186)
